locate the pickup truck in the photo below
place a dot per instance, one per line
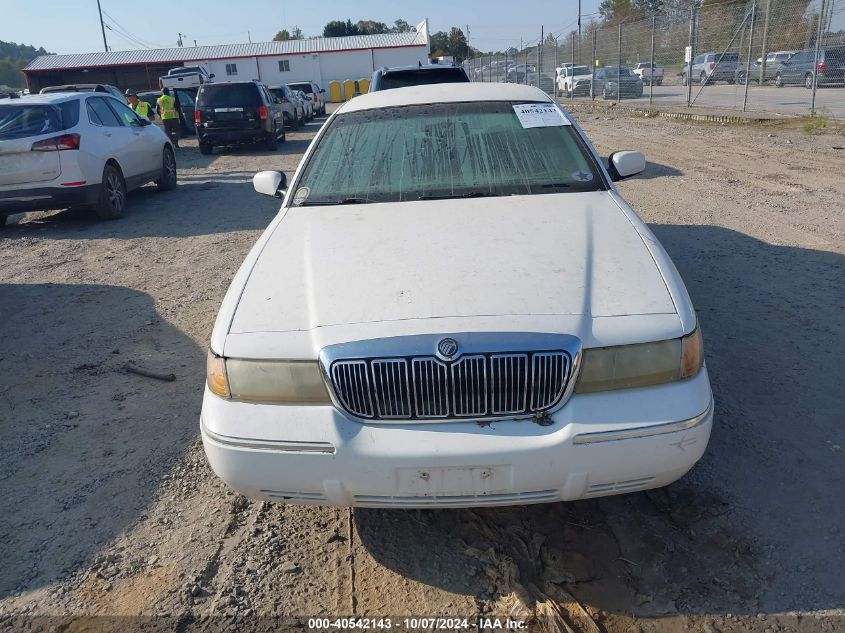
(648, 73)
(185, 77)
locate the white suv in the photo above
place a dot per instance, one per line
(67, 149)
(469, 314)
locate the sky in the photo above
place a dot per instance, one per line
(73, 26)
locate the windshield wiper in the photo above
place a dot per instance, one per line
(317, 203)
(556, 185)
(470, 194)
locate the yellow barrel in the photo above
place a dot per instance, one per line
(363, 86)
(348, 89)
(334, 91)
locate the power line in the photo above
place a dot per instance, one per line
(117, 25)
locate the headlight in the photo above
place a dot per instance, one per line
(641, 365)
(284, 381)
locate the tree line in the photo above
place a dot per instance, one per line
(13, 58)
(443, 43)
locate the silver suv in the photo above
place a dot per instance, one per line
(711, 67)
(314, 93)
(294, 113)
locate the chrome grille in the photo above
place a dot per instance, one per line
(392, 393)
(475, 385)
(469, 386)
(351, 380)
(431, 388)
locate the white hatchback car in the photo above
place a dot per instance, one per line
(78, 149)
(454, 307)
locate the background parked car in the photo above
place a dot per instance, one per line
(185, 101)
(615, 82)
(802, 67)
(59, 150)
(292, 107)
(201, 72)
(237, 112)
(517, 72)
(711, 67)
(108, 88)
(648, 73)
(773, 64)
(307, 104)
(401, 76)
(313, 92)
(573, 80)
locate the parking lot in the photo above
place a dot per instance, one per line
(787, 101)
(111, 508)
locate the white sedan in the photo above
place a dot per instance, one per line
(454, 307)
(78, 149)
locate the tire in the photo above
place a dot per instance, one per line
(112, 200)
(206, 148)
(778, 81)
(660, 81)
(272, 142)
(702, 79)
(741, 79)
(168, 179)
(284, 135)
(808, 81)
(3, 219)
(685, 79)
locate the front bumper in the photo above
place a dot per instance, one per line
(599, 444)
(45, 198)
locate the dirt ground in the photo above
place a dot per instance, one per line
(109, 507)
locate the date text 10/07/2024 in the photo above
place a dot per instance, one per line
(491, 624)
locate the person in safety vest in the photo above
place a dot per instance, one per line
(140, 107)
(167, 111)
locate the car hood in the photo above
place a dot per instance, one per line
(554, 254)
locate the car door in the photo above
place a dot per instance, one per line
(187, 104)
(116, 139)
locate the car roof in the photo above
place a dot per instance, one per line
(399, 69)
(445, 93)
(56, 97)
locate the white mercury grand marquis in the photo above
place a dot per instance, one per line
(454, 307)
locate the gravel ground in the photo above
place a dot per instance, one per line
(111, 510)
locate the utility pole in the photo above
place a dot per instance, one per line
(249, 37)
(468, 49)
(179, 37)
(764, 53)
(102, 26)
(579, 31)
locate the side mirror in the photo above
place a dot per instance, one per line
(270, 183)
(623, 165)
(144, 121)
(322, 91)
(211, 76)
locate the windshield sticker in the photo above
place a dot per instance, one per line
(301, 195)
(582, 176)
(540, 115)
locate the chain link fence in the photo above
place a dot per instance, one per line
(784, 57)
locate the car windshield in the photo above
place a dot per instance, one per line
(420, 77)
(228, 95)
(622, 72)
(444, 150)
(580, 70)
(20, 121)
(304, 87)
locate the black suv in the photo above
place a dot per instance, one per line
(800, 68)
(237, 112)
(400, 77)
